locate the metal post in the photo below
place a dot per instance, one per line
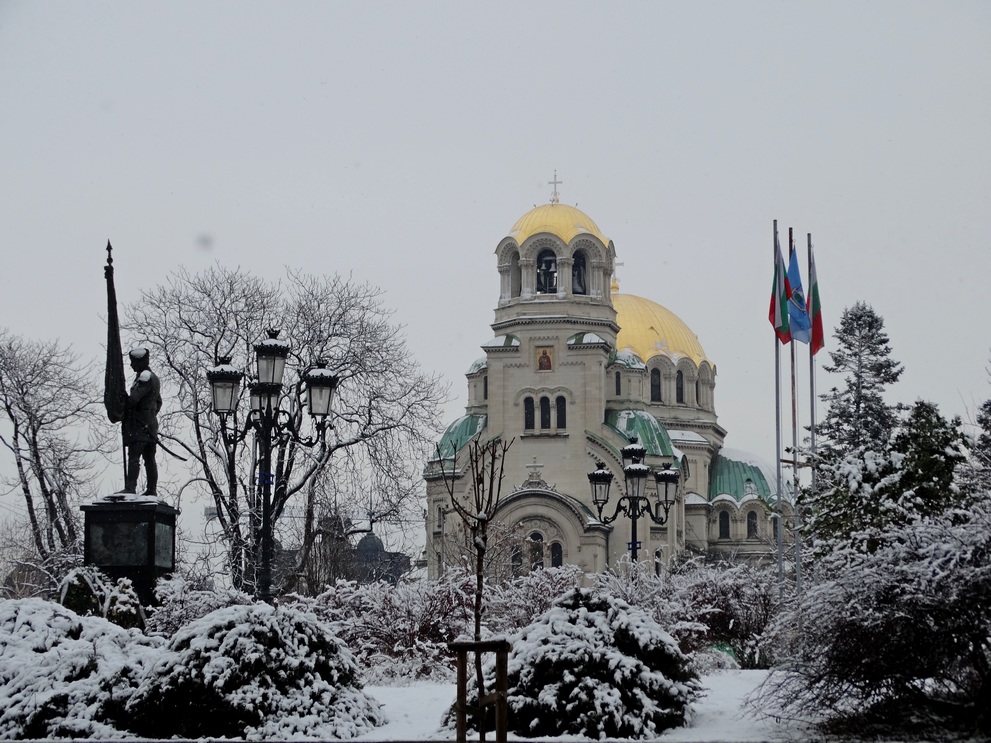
(265, 477)
(633, 530)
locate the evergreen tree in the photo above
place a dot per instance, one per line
(858, 417)
(932, 448)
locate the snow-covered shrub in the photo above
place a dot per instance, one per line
(399, 633)
(254, 672)
(899, 635)
(63, 675)
(517, 603)
(88, 592)
(593, 666)
(179, 604)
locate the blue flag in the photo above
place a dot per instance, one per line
(798, 314)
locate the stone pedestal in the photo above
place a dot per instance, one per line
(131, 536)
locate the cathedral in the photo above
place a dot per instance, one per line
(580, 378)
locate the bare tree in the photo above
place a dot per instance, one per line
(385, 411)
(475, 505)
(53, 433)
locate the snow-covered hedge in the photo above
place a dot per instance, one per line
(593, 666)
(179, 603)
(254, 672)
(63, 675)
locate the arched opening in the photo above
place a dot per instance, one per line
(515, 276)
(679, 387)
(562, 412)
(655, 385)
(528, 414)
(545, 413)
(619, 384)
(723, 525)
(546, 272)
(579, 274)
(557, 555)
(752, 525)
(536, 551)
(485, 387)
(698, 393)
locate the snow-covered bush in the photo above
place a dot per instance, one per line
(254, 672)
(901, 633)
(179, 604)
(399, 633)
(63, 675)
(704, 607)
(517, 603)
(593, 666)
(88, 592)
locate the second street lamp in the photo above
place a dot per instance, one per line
(634, 504)
(271, 425)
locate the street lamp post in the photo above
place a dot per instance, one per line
(634, 504)
(272, 425)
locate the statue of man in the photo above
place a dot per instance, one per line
(140, 424)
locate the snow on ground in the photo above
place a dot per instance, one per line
(414, 713)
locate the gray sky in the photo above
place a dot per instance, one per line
(400, 141)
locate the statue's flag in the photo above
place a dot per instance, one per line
(114, 384)
(780, 292)
(814, 308)
(798, 315)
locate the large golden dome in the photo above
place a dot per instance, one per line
(649, 329)
(561, 220)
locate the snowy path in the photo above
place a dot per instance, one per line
(414, 713)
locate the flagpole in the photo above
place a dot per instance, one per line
(812, 380)
(794, 447)
(777, 438)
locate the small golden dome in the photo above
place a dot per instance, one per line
(649, 329)
(561, 220)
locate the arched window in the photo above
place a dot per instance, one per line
(557, 555)
(698, 393)
(516, 561)
(679, 387)
(546, 272)
(619, 384)
(749, 488)
(752, 525)
(579, 274)
(528, 413)
(562, 412)
(655, 385)
(545, 413)
(536, 551)
(723, 525)
(515, 276)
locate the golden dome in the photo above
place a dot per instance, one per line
(649, 329)
(558, 219)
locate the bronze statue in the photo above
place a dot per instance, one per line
(140, 423)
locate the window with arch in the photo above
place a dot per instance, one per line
(655, 385)
(679, 387)
(515, 276)
(724, 525)
(619, 384)
(579, 273)
(516, 561)
(527, 413)
(752, 525)
(545, 413)
(485, 387)
(562, 412)
(557, 555)
(536, 551)
(749, 488)
(698, 393)
(547, 272)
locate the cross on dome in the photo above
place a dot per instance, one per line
(555, 196)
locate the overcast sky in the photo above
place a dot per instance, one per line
(399, 142)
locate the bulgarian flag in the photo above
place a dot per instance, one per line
(780, 292)
(814, 308)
